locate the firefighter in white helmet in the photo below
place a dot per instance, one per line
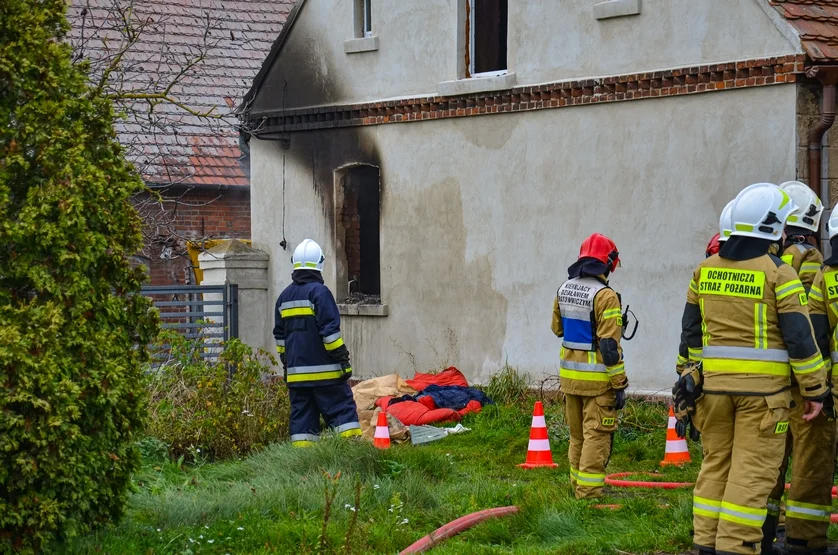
(746, 321)
(313, 354)
(809, 500)
(808, 440)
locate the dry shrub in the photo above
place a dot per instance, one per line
(224, 408)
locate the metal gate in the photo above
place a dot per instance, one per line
(206, 313)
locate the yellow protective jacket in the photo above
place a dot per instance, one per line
(600, 369)
(823, 310)
(806, 261)
(749, 323)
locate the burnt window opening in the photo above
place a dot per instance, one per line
(363, 18)
(488, 20)
(361, 217)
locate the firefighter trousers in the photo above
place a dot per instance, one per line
(743, 438)
(809, 501)
(334, 402)
(592, 421)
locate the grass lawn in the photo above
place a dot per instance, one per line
(276, 500)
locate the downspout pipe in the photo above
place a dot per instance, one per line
(828, 76)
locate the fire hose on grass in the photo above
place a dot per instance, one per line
(464, 523)
(616, 480)
(456, 526)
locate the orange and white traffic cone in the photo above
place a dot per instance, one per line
(382, 432)
(677, 452)
(538, 452)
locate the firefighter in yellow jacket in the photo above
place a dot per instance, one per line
(810, 497)
(811, 442)
(746, 320)
(587, 315)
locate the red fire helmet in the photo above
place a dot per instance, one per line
(602, 248)
(714, 246)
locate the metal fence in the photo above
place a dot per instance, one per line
(207, 313)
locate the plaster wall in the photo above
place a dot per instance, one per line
(482, 215)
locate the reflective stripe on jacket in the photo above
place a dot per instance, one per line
(748, 321)
(806, 261)
(307, 332)
(823, 308)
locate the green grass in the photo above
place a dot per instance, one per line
(274, 501)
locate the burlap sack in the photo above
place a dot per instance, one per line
(368, 391)
(399, 433)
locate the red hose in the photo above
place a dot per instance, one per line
(613, 480)
(455, 527)
(833, 519)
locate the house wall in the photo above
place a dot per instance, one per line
(482, 215)
(213, 214)
(420, 46)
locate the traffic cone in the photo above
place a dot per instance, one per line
(677, 452)
(538, 452)
(382, 432)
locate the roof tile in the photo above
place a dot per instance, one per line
(816, 21)
(184, 148)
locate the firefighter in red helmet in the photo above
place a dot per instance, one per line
(713, 247)
(588, 317)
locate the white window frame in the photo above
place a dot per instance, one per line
(366, 23)
(471, 41)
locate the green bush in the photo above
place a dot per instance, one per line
(71, 395)
(200, 407)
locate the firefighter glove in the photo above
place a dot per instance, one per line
(681, 426)
(686, 392)
(620, 399)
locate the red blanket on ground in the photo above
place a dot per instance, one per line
(449, 376)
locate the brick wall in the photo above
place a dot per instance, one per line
(563, 94)
(198, 214)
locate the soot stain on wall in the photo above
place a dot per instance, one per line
(303, 76)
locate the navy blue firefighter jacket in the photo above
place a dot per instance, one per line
(307, 333)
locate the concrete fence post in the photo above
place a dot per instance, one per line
(235, 262)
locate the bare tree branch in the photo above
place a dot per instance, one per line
(133, 59)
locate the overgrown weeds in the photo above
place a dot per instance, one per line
(216, 409)
(508, 386)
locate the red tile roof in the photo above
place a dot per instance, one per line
(816, 21)
(175, 146)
